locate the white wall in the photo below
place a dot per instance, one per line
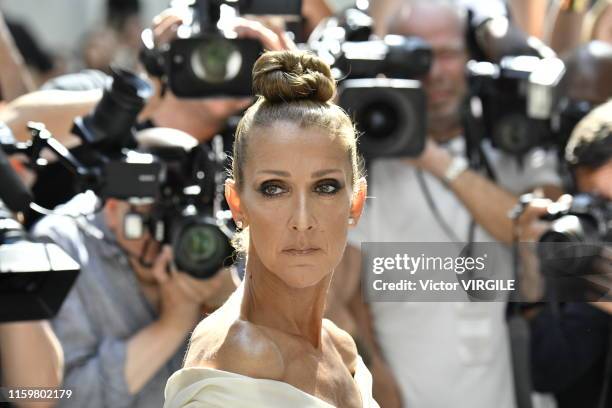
(61, 24)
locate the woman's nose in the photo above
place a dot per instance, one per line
(302, 218)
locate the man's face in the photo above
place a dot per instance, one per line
(597, 181)
(145, 248)
(445, 84)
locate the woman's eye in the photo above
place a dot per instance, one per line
(271, 189)
(330, 187)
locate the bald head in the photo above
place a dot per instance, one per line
(589, 73)
(425, 18)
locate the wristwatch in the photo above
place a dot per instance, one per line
(458, 165)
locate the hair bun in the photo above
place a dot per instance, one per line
(285, 76)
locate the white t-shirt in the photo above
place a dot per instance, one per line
(444, 354)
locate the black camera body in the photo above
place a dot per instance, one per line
(187, 212)
(518, 103)
(577, 235)
(114, 168)
(211, 65)
(390, 113)
(185, 188)
(182, 186)
(35, 277)
(206, 61)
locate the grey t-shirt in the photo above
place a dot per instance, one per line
(103, 310)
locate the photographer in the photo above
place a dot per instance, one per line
(30, 356)
(436, 198)
(72, 95)
(124, 325)
(587, 83)
(570, 347)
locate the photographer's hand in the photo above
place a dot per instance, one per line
(215, 290)
(488, 203)
(434, 159)
(180, 302)
(530, 228)
(202, 118)
(153, 346)
(530, 224)
(272, 37)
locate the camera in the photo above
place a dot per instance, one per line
(35, 277)
(389, 112)
(205, 60)
(577, 235)
(107, 157)
(187, 213)
(183, 187)
(518, 106)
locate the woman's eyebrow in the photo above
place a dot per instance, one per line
(321, 173)
(279, 173)
(318, 173)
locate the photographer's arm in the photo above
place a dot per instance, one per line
(56, 109)
(98, 366)
(180, 310)
(530, 16)
(15, 79)
(488, 203)
(567, 25)
(96, 356)
(31, 356)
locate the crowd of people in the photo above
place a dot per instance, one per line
(134, 331)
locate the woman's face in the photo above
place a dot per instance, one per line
(297, 199)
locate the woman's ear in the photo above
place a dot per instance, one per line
(359, 197)
(233, 200)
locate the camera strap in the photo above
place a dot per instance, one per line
(434, 209)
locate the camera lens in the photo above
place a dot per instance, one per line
(569, 247)
(512, 134)
(111, 121)
(216, 61)
(201, 248)
(379, 119)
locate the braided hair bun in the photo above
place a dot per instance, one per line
(287, 76)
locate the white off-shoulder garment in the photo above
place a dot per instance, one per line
(200, 387)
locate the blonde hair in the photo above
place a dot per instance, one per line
(296, 87)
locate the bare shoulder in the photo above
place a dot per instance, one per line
(236, 346)
(344, 343)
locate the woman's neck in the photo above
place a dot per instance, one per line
(268, 301)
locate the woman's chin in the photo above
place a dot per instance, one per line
(302, 276)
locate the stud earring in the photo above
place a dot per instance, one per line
(351, 221)
(239, 224)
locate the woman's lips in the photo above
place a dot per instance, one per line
(301, 252)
